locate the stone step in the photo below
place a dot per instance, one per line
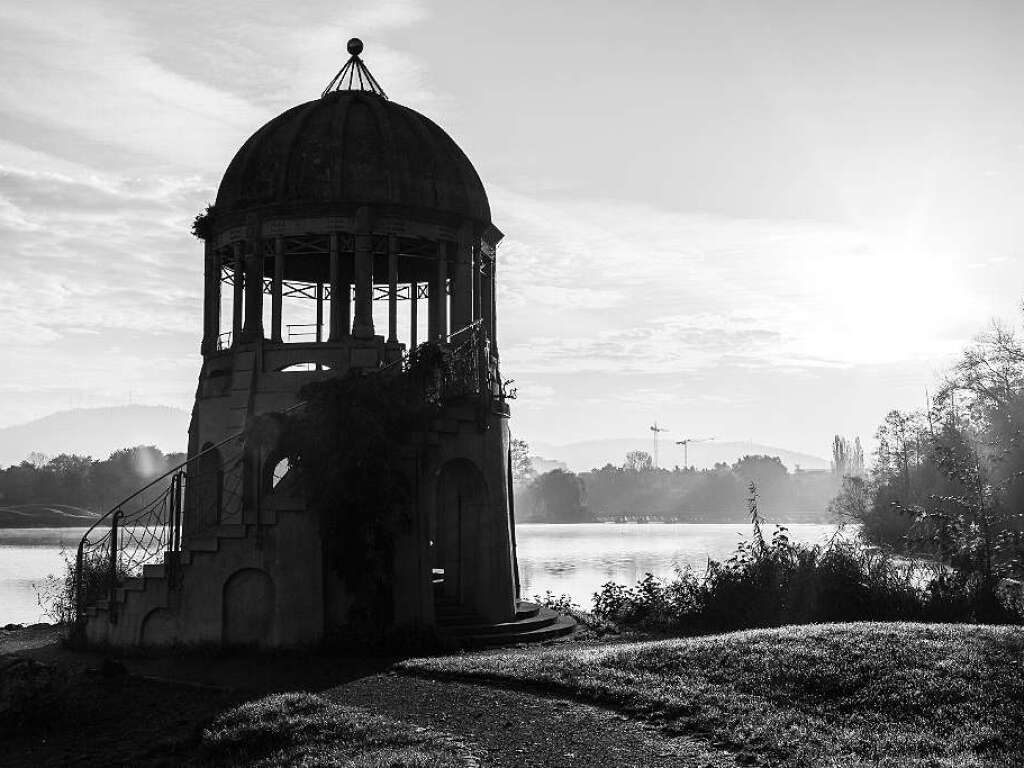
(134, 584)
(563, 627)
(230, 531)
(449, 611)
(154, 571)
(203, 544)
(544, 618)
(525, 610)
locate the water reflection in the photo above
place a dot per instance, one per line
(27, 557)
(566, 559)
(577, 559)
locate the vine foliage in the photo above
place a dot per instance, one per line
(351, 442)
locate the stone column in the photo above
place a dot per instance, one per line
(253, 328)
(334, 314)
(238, 293)
(392, 289)
(277, 291)
(345, 297)
(493, 282)
(462, 283)
(211, 299)
(431, 307)
(439, 294)
(487, 296)
(319, 311)
(362, 325)
(477, 304)
(414, 288)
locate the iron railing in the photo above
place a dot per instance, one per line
(207, 490)
(141, 528)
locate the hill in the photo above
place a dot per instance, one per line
(869, 694)
(46, 516)
(96, 432)
(591, 454)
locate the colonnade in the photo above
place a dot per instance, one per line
(460, 288)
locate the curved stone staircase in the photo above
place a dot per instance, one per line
(532, 623)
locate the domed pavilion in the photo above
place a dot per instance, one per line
(347, 232)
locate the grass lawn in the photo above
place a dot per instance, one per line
(300, 729)
(866, 694)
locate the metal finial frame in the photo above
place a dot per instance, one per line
(354, 76)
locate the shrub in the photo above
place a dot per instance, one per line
(777, 582)
(58, 595)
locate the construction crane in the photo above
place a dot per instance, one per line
(685, 442)
(656, 430)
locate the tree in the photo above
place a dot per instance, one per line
(522, 464)
(840, 456)
(770, 476)
(37, 459)
(558, 497)
(857, 470)
(847, 457)
(639, 461)
(851, 503)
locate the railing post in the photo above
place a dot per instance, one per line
(174, 518)
(182, 480)
(111, 610)
(79, 588)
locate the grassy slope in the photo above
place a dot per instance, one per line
(819, 695)
(300, 729)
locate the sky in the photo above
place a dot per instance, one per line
(754, 220)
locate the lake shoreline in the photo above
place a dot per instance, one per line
(574, 559)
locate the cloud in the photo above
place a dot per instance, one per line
(90, 77)
(603, 285)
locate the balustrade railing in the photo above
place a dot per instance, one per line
(456, 369)
(142, 528)
(208, 490)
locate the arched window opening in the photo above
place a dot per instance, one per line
(304, 367)
(281, 469)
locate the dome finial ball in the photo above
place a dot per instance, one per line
(355, 46)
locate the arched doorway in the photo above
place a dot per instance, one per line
(248, 608)
(454, 523)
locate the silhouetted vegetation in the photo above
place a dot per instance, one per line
(348, 443)
(58, 594)
(82, 481)
(351, 442)
(639, 490)
(773, 582)
(948, 480)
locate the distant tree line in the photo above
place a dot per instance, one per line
(82, 481)
(948, 479)
(639, 490)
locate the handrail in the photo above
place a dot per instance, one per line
(116, 511)
(164, 476)
(235, 436)
(446, 339)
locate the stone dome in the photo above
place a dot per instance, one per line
(347, 149)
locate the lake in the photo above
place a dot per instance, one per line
(566, 559)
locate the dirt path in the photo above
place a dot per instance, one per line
(153, 716)
(518, 729)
